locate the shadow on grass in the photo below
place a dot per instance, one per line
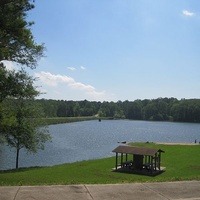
(139, 172)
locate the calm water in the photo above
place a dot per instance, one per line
(92, 139)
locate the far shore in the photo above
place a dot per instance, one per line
(172, 143)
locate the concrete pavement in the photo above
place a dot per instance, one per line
(184, 190)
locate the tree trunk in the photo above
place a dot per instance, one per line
(17, 158)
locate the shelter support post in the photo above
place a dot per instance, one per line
(122, 158)
(156, 161)
(151, 158)
(159, 159)
(116, 161)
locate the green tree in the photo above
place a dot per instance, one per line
(7, 83)
(104, 110)
(3, 82)
(12, 83)
(21, 124)
(16, 40)
(76, 109)
(134, 110)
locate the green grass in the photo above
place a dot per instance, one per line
(181, 162)
(60, 120)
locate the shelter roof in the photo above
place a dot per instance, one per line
(136, 150)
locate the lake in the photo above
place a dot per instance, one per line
(86, 140)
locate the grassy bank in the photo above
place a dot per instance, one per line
(181, 162)
(60, 120)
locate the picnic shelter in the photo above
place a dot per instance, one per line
(138, 159)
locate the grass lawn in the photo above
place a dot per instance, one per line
(182, 162)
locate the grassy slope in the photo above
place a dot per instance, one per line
(60, 120)
(181, 162)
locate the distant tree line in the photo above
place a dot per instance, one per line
(161, 109)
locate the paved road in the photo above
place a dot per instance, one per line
(187, 190)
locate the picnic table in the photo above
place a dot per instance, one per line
(127, 164)
(147, 166)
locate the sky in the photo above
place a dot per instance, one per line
(111, 50)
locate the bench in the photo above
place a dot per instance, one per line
(147, 166)
(127, 164)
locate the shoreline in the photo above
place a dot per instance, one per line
(176, 143)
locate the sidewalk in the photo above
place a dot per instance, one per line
(188, 190)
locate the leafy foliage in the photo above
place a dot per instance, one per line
(16, 84)
(20, 120)
(19, 114)
(16, 40)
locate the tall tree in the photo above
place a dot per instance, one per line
(21, 124)
(11, 82)
(5, 78)
(16, 40)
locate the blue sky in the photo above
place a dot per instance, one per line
(110, 50)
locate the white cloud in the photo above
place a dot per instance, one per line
(74, 68)
(188, 13)
(71, 68)
(56, 80)
(83, 68)
(10, 65)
